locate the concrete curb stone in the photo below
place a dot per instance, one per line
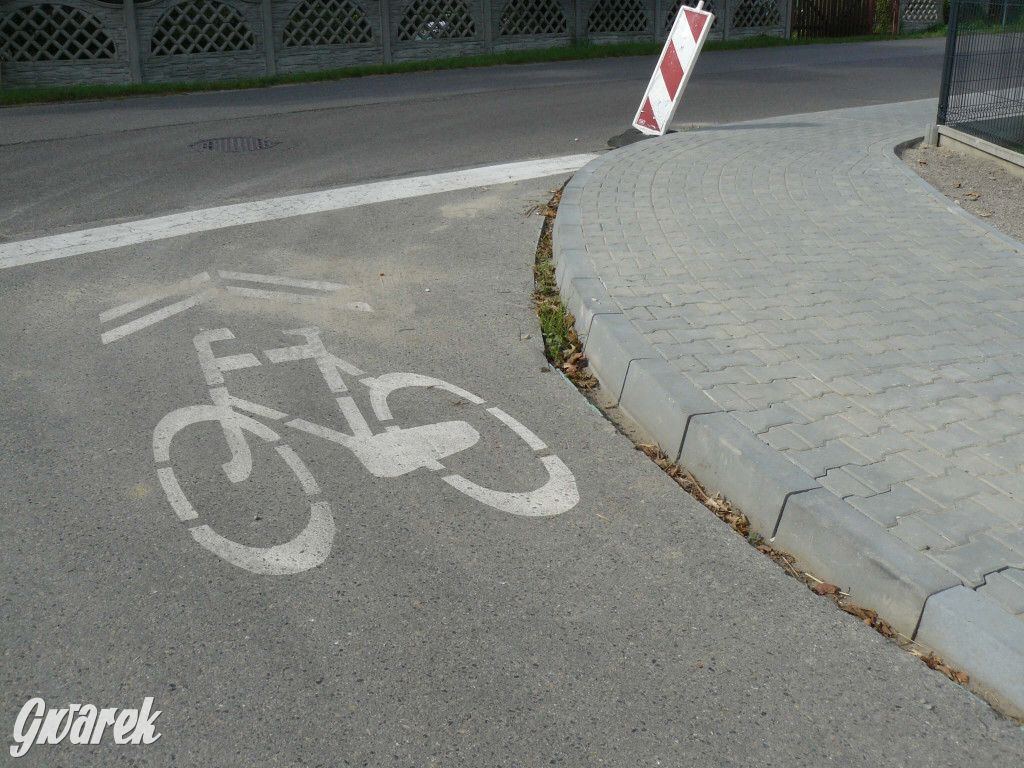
(584, 300)
(827, 535)
(727, 457)
(654, 395)
(966, 629)
(611, 345)
(571, 266)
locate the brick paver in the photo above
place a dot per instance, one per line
(811, 288)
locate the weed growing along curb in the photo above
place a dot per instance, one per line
(557, 325)
(541, 56)
(565, 353)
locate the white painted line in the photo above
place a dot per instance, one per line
(298, 466)
(531, 439)
(259, 293)
(237, 362)
(213, 366)
(359, 306)
(294, 282)
(182, 507)
(175, 225)
(559, 494)
(325, 432)
(382, 386)
(153, 317)
(401, 451)
(131, 306)
(307, 550)
(354, 417)
(221, 396)
(331, 367)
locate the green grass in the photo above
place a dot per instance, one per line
(556, 325)
(565, 53)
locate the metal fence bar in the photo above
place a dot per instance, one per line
(831, 18)
(947, 63)
(982, 90)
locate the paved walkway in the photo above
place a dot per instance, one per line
(788, 279)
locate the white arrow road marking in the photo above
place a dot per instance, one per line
(294, 282)
(252, 293)
(63, 246)
(261, 293)
(131, 306)
(154, 317)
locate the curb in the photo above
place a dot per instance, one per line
(839, 544)
(960, 624)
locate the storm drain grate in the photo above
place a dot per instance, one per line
(233, 144)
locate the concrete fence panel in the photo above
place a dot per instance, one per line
(309, 35)
(62, 43)
(77, 42)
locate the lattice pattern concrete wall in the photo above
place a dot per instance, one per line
(434, 29)
(533, 24)
(617, 21)
(919, 14)
(62, 42)
(200, 40)
(327, 22)
(54, 32)
(66, 42)
(749, 18)
(326, 34)
(717, 28)
(737, 19)
(533, 17)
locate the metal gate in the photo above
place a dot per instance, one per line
(832, 18)
(982, 89)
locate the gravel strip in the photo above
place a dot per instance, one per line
(979, 186)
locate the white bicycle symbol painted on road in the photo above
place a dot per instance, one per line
(391, 453)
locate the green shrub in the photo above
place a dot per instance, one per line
(883, 17)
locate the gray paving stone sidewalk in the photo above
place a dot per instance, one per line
(791, 271)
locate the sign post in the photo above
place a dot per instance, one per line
(689, 31)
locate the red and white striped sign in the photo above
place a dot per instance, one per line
(689, 31)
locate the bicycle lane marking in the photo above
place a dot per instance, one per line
(394, 452)
(49, 248)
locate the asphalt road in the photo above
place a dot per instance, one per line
(631, 629)
(72, 165)
(296, 582)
